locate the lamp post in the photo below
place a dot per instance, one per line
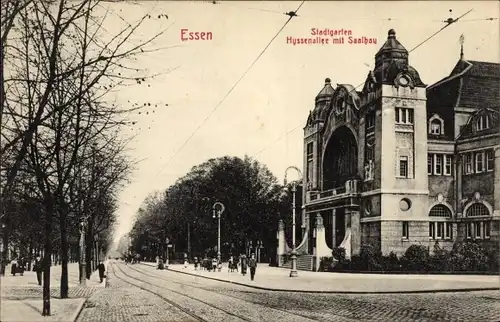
(218, 214)
(166, 245)
(83, 264)
(293, 270)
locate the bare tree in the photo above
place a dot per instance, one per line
(54, 104)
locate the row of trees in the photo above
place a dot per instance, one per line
(62, 160)
(254, 202)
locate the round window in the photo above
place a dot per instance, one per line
(405, 204)
(404, 81)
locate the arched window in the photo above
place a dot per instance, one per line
(440, 211)
(478, 210)
(436, 125)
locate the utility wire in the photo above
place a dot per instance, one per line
(417, 46)
(291, 15)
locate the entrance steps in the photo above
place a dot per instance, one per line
(304, 263)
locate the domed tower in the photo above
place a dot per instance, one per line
(312, 135)
(322, 102)
(399, 134)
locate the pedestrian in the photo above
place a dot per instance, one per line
(13, 267)
(38, 268)
(244, 261)
(21, 266)
(252, 263)
(214, 264)
(186, 263)
(196, 263)
(101, 269)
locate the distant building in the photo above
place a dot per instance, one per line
(399, 163)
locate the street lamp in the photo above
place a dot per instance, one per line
(293, 270)
(218, 214)
(83, 263)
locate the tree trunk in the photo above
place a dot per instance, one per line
(30, 255)
(47, 258)
(88, 250)
(5, 243)
(64, 254)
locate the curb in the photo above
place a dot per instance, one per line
(79, 310)
(463, 290)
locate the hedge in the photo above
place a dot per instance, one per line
(464, 257)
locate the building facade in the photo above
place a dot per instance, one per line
(399, 162)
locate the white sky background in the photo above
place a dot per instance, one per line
(278, 92)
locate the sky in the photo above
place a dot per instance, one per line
(264, 114)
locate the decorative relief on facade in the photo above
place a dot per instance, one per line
(369, 164)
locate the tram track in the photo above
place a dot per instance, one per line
(144, 272)
(189, 312)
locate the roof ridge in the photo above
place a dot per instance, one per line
(447, 79)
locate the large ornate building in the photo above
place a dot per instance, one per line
(400, 162)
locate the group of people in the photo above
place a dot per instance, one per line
(243, 262)
(19, 267)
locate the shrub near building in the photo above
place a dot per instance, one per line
(464, 257)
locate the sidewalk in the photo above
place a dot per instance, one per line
(21, 296)
(277, 279)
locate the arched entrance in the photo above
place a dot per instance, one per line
(340, 160)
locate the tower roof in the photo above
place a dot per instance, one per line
(391, 50)
(327, 89)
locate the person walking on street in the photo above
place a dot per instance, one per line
(38, 268)
(252, 263)
(13, 267)
(101, 269)
(22, 266)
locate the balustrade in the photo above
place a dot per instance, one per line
(350, 187)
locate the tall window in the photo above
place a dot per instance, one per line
(310, 157)
(440, 230)
(468, 169)
(483, 122)
(436, 127)
(370, 122)
(449, 230)
(406, 230)
(432, 230)
(477, 226)
(487, 228)
(438, 165)
(469, 230)
(403, 167)
(490, 157)
(447, 164)
(404, 115)
(479, 162)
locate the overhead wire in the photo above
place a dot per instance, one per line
(231, 89)
(417, 46)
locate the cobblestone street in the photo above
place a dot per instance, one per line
(141, 293)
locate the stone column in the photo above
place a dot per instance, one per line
(458, 186)
(334, 228)
(355, 232)
(322, 249)
(496, 183)
(281, 242)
